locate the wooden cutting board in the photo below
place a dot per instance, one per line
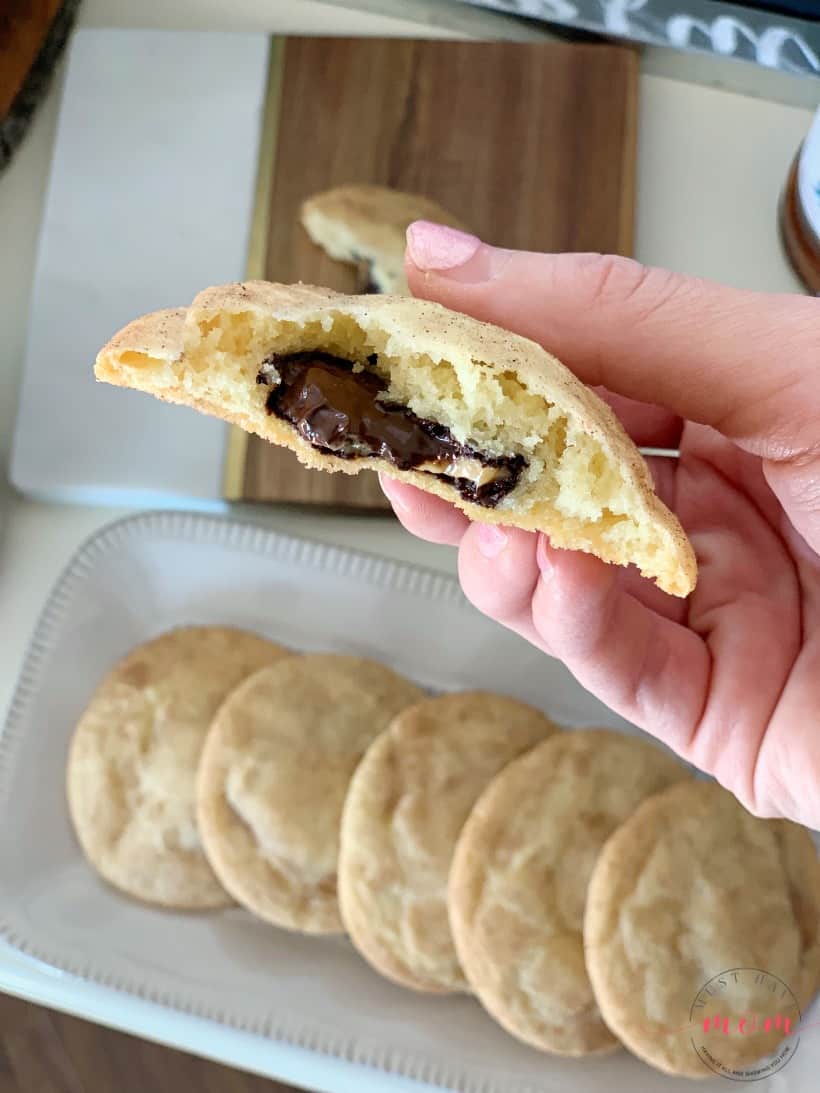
(532, 145)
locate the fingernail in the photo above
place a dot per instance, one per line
(447, 252)
(437, 247)
(543, 558)
(491, 540)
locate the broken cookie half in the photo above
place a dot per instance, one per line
(364, 224)
(481, 417)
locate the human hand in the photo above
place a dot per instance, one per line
(730, 678)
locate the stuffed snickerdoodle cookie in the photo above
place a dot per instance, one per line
(273, 777)
(518, 881)
(407, 801)
(475, 414)
(133, 760)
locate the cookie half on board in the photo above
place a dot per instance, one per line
(475, 414)
(363, 223)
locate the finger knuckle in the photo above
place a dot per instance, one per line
(621, 282)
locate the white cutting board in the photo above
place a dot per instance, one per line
(150, 199)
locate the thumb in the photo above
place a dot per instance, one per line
(742, 362)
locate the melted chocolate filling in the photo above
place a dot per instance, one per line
(339, 412)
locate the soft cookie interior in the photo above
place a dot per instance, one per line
(491, 416)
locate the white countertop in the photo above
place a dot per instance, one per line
(711, 164)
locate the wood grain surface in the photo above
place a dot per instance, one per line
(532, 145)
(46, 1052)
